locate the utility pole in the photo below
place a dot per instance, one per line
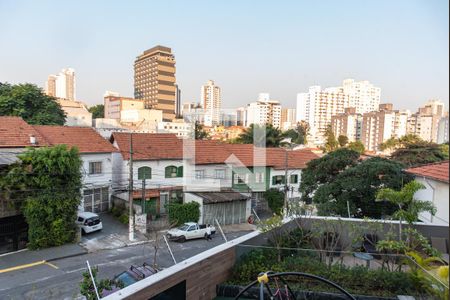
(130, 199)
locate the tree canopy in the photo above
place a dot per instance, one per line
(357, 185)
(49, 179)
(97, 111)
(29, 102)
(299, 134)
(342, 140)
(199, 132)
(331, 143)
(325, 169)
(255, 134)
(357, 146)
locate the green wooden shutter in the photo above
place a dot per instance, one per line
(274, 180)
(168, 171)
(180, 171)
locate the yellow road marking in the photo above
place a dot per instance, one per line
(51, 265)
(42, 262)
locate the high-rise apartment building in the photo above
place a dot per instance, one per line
(178, 110)
(154, 80)
(288, 118)
(263, 112)
(347, 124)
(443, 130)
(211, 98)
(425, 122)
(62, 85)
(362, 95)
(316, 108)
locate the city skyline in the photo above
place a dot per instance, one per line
(413, 43)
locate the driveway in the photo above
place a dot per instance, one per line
(113, 235)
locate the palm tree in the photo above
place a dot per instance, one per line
(409, 208)
(255, 134)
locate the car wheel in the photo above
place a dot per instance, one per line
(83, 232)
(182, 239)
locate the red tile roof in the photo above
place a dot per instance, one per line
(437, 171)
(15, 133)
(86, 139)
(149, 146)
(154, 146)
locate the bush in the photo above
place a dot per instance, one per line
(182, 213)
(275, 200)
(124, 218)
(116, 211)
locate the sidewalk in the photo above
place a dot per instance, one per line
(30, 256)
(112, 241)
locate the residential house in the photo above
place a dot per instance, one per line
(435, 178)
(96, 154)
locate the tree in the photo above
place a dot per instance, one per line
(29, 102)
(419, 153)
(395, 143)
(200, 132)
(299, 134)
(331, 143)
(409, 208)
(275, 200)
(272, 136)
(342, 140)
(87, 286)
(50, 182)
(356, 146)
(97, 111)
(355, 189)
(325, 169)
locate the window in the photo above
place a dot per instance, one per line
(278, 179)
(171, 172)
(239, 179)
(199, 174)
(219, 174)
(95, 167)
(144, 173)
(259, 177)
(294, 178)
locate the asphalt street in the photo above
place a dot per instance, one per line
(61, 278)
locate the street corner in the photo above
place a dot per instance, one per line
(105, 242)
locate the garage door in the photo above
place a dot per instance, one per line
(225, 213)
(96, 200)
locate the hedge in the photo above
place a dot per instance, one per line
(182, 213)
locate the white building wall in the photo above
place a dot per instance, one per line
(295, 191)
(436, 192)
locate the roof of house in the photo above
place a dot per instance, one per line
(149, 146)
(15, 133)
(220, 197)
(436, 171)
(86, 139)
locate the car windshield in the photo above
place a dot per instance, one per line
(126, 278)
(184, 227)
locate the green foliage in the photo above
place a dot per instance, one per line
(97, 111)
(275, 199)
(298, 135)
(331, 143)
(87, 286)
(342, 140)
(357, 146)
(50, 182)
(324, 170)
(272, 136)
(182, 213)
(358, 185)
(199, 132)
(29, 102)
(124, 218)
(411, 150)
(409, 208)
(357, 280)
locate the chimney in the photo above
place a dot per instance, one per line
(32, 140)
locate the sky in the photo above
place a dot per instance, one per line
(246, 47)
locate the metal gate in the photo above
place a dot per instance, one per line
(226, 213)
(96, 200)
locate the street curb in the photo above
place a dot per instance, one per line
(67, 256)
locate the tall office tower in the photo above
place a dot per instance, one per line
(363, 95)
(212, 102)
(263, 112)
(178, 111)
(240, 116)
(62, 85)
(348, 124)
(425, 122)
(288, 120)
(154, 80)
(316, 108)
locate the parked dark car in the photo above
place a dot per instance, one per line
(135, 273)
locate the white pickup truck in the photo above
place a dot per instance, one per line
(189, 231)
